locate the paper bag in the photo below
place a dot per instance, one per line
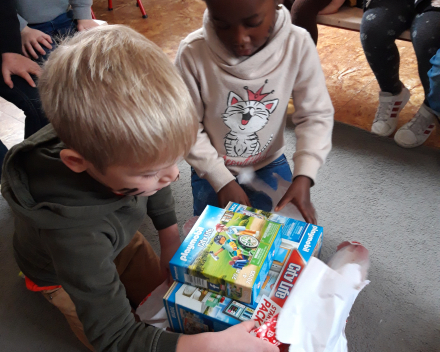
(151, 310)
(314, 316)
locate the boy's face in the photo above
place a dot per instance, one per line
(243, 26)
(136, 180)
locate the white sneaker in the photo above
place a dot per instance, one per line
(387, 113)
(417, 130)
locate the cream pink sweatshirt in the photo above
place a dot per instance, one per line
(241, 102)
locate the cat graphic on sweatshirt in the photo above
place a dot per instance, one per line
(245, 118)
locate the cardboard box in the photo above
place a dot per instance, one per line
(292, 231)
(194, 310)
(227, 253)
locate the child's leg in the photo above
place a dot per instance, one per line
(425, 34)
(139, 269)
(203, 193)
(304, 14)
(61, 299)
(280, 166)
(382, 23)
(434, 80)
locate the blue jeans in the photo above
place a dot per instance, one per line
(204, 194)
(434, 82)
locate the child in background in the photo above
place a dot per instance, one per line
(241, 69)
(120, 117)
(383, 22)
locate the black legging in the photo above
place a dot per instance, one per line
(382, 24)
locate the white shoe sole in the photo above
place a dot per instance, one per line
(405, 100)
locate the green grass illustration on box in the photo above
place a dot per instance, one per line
(227, 253)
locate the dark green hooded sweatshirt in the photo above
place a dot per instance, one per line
(68, 230)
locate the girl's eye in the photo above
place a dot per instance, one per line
(254, 25)
(149, 176)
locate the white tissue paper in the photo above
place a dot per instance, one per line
(152, 310)
(314, 316)
(247, 177)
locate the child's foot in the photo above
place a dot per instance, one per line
(417, 130)
(387, 114)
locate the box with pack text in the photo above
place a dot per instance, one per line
(193, 310)
(227, 253)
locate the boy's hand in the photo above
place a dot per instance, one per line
(83, 25)
(16, 64)
(299, 194)
(169, 244)
(234, 339)
(232, 192)
(31, 39)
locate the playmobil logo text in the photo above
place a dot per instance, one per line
(191, 244)
(310, 238)
(286, 283)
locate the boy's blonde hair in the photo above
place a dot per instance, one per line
(115, 98)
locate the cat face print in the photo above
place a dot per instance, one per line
(245, 117)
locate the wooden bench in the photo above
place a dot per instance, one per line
(350, 18)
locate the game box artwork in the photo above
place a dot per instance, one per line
(193, 310)
(227, 253)
(292, 230)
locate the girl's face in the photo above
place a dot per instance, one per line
(243, 26)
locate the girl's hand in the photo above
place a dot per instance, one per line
(31, 40)
(232, 192)
(299, 194)
(16, 64)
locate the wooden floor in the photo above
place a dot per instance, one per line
(351, 83)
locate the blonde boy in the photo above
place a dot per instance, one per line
(120, 119)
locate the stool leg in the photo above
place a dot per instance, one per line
(141, 7)
(110, 5)
(93, 15)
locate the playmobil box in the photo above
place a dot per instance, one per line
(193, 310)
(293, 230)
(227, 253)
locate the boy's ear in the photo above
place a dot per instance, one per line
(73, 160)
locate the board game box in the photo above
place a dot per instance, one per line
(194, 310)
(227, 253)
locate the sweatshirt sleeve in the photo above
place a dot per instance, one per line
(161, 209)
(10, 39)
(84, 265)
(203, 157)
(313, 115)
(23, 23)
(82, 9)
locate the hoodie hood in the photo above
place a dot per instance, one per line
(39, 187)
(266, 60)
